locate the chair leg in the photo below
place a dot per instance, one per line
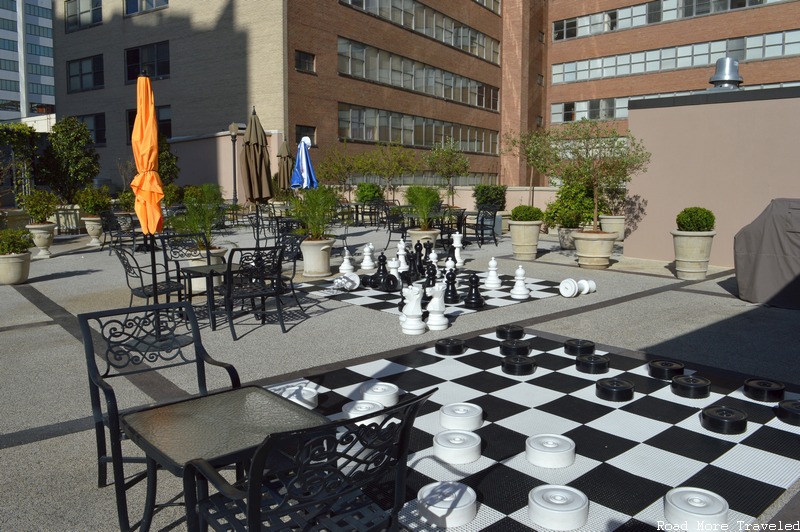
(102, 466)
(229, 312)
(279, 307)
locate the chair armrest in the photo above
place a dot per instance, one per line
(199, 467)
(232, 373)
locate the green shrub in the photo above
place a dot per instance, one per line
(126, 201)
(695, 219)
(367, 192)
(572, 208)
(93, 201)
(14, 241)
(173, 194)
(490, 195)
(526, 213)
(316, 209)
(39, 204)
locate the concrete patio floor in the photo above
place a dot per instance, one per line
(47, 449)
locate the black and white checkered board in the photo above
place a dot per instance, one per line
(629, 454)
(388, 301)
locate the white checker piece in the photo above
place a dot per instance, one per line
(553, 475)
(600, 518)
(629, 426)
(654, 514)
(527, 394)
(426, 463)
(410, 519)
(431, 423)
(760, 465)
(641, 461)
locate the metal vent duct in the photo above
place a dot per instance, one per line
(727, 75)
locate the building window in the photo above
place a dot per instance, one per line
(305, 131)
(85, 74)
(9, 105)
(97, 126)
(39, 31)
(83, 13)
(163, 120)
(37, 49)
(304, 62)
(42, 108)
(139, 6)
(152, 59)
(38, 70)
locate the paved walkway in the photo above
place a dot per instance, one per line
(46, 446)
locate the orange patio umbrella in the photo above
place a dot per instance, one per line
(144, 140)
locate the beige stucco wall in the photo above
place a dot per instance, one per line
(732, 158)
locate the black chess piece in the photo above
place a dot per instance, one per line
(379, 277)
(474, 298)
(428, 245)
(419, 256)
(451, 295)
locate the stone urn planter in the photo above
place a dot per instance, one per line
(15, 268)
(317, 257)
(427, 235)
(525, 238)
(613, 224)
(594, 248)
(94, 228)
(692, 252)
(43, 238)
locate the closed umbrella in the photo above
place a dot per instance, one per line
(303, 174)
(254, 158)
(147, 183)
(286, 166)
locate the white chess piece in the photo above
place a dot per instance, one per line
(434, 258)
(437, 321)
(393, 265)
(458, 244)
(520, 291)
(411, 318)
(367, 263)
(347, 265)
(493, 280)
(401, 256)
(449, 264)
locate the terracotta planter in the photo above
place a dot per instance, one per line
(94, 228)
(594, 249)
(692, 251)
(613, 224)
(428, 235)
(43, 238)
(15, 268)
(525, 238)
(317, 257)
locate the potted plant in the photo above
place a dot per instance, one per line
(612, 219)
(15, 257)
(423, 202)
(570, 211)
(40, 205)
(593, 154)
(692, 242)
(92, 202)
(525, 225)
(316, 209)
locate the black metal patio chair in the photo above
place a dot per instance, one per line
(348, 475)
(291, 254)
(483, 224)
(139, 278)
(119, 229)
(133, 353)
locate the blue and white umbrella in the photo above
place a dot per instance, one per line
(303, 174)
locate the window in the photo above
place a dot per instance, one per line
(40, 88)
(138, 6)
(152, 59)
(41, 108)
(305, 131)
(85, 74)
(163, 120)
(304, 61)
(97, 126)
(38, 70)
(569, 112)
(83, 13)
(8, 64)
(39, 31)
(9, 105)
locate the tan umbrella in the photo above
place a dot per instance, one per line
(254, 158)
(147, 183)
(286, 166)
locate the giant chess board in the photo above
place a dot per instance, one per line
(389, 301)
(629, 453)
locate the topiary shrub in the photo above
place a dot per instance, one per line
(93, 201)
(14, 241)
(526, 213)
(39, 204)
(695, 219)
(490, 195)
(367, 192)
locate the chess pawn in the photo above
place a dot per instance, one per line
(433, 258)
(451, 295)
(493, 280)
(428, 246)
(394, 267)
(474, 298)
(457, 246)
(347, 264)
(411, 318)
(401, 257)
(419, 255)
(520, 291)
(367, 263)
(436, 318)
(379, 276)
(449, 264)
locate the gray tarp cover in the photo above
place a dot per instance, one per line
(767, 256)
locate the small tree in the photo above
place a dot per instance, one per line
(70, 162)
(17, 162)
(168, 169)
(390, 161)
(447, 161)
(337, 167)
(586, 152)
